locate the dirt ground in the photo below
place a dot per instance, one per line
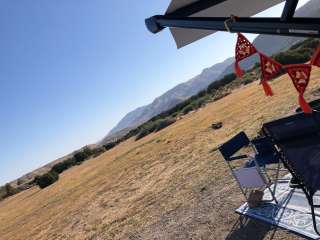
(169, 185)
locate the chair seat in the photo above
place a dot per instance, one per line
(249, 177)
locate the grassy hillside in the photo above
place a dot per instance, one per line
(172, 184)
(298, 53)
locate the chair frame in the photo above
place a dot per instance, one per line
(232, 158)
(308, 192)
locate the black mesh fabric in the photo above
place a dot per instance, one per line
(298, 137)
(303, 155)
(292, 127)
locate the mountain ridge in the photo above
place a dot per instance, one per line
(170, 98)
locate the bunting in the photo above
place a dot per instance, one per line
(300, 75)
(269, 69)
(244, 49)
(316, 58)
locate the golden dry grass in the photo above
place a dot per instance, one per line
(169, 185)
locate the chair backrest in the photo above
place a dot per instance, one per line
(229, 148)
(249, 177)
(263, 146)
(293, 127)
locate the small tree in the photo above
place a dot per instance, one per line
(163, 123)
(80, 157)
(110, 145)
(62, 166)
(47, 179)
(187, 109)
(142, 133)
(10, 190)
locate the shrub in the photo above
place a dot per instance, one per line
(88, 151)
(47, 179)
(62, 166)
(81, 156)
(187, 109)
(292, 57)
(142, 133)
(222, 82)
(10, 190)
(161, 124)
(110, 145)
(98, 151)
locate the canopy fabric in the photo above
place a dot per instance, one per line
(241, 8)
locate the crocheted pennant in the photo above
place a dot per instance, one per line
(243, 50)
(300, 75)
(316, 58)
(269, 69)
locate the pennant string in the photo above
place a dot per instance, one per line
(267, 89)
(305, 107)
(299, 73)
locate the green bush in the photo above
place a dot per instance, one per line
(110, 145)
(222, 82)
(292, 57)
(161, 124)
(98, 151)
(7, 191)
(142, 133)
(187, 109)
(47, 179)
(62, 166)
(80, 157)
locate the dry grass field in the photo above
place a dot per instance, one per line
(169, 185)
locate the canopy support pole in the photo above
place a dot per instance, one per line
(289, 10)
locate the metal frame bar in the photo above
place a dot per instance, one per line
(289, 10)
(286, 25)
(299, 27)
(259, 170)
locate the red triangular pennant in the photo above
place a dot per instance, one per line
(244, 49)
(300, 75)
(269, 69)
(316, 58)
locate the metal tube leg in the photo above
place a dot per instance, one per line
(313, 215)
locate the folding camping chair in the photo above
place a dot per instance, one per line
(298, 140)
(247, 176)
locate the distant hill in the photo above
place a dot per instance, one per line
(169, 99)
(265, 43)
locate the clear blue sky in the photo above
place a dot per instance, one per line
(70, 70)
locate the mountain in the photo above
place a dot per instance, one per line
(270, 44)
(266, 43)
(169, 99)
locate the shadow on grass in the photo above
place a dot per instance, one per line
(246, 228)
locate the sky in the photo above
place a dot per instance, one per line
(70, 70)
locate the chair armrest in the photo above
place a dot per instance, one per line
(239, 157)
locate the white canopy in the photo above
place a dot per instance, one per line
(241, 8)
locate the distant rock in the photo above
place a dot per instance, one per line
(216, 125)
